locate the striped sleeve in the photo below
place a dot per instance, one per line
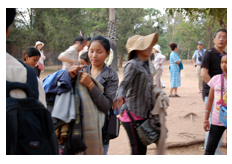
(128, 76)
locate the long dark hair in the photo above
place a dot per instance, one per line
(103, 41)
(31, 51)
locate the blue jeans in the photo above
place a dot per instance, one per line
(217, 152)
(105, 147)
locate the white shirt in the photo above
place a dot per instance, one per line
(71, 52)
(110, 58)
(16, 72)
(159, 58)
(42, 57)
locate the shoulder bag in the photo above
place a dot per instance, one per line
(223, 108)
(148, 131)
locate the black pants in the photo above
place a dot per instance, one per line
(37, 71)
(215, 135)
(137, 147)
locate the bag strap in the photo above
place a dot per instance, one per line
(135, 125)
(30, 87)
(222, 82)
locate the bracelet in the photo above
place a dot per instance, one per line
(206, 121)
(90, 84)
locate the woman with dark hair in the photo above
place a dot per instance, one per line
(32, 56)
(174, 70)
(84, 59)
(102, 97)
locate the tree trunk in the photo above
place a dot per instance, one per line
(121, 60)
(114, 64)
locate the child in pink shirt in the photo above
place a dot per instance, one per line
(217, 128)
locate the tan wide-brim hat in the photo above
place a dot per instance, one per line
(39, 42)
(138, 42)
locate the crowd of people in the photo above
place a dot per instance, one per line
(87, 88)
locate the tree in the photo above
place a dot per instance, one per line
(219, 14)
(129, 21)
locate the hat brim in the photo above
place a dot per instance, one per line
(39, 43)
(143, 43)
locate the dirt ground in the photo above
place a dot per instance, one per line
(181, 130)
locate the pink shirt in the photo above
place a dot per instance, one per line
(215, 83)
(126, 118)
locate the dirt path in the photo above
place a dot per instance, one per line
(180, 129)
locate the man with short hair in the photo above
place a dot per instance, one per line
(211, 66)
(197, 63)
(70, 56)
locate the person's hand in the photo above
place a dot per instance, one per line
(73, 70)
(86, 80)
(160, 64)
(206, 125)
(195, 64)
(117, 103)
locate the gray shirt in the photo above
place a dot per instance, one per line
(108, 78)
(136, 87)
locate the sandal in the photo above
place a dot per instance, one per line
(171, 96)
(176, 95)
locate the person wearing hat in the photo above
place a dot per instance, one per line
(135, 90)
(39, 45)
(197, 63)
(158, 63)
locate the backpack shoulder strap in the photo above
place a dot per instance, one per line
(222, 82)
(30, 87)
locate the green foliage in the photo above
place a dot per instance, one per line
(218, 14)
(57, 27)
(129, 20)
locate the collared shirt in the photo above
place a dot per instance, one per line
(108, 78)
(71, 52)
(136, 87)
(198, 53)
(212, 61)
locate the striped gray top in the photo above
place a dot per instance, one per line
(136, 87)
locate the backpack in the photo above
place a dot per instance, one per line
(29, 126)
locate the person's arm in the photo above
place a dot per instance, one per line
(194, 62)
(178, 62)
(193, 59)
(41, 93)
(102, 100)
(205, 74)
(64, 57)
(208, 109)
(128, 75)
(176, 58)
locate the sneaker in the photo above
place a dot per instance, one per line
(163, 86)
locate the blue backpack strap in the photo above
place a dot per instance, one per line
(30, 87)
